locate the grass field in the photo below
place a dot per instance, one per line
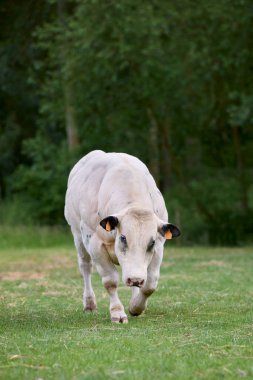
(199, 324)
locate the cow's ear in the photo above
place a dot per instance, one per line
(109, 223)
(169, 231)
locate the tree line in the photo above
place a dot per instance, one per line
(167, 81)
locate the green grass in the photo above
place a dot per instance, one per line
(34, 237)
(198, 324)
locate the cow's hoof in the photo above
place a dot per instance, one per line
(134, 314)
(119, 320)
(90, 304)
(118, 314)
(89, 310)
(137, 306)
(135, 311)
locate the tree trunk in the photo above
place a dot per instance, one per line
(71, 124)
(70, 114)
(177, 169)
(240, 168)
(153, 147)
(166, 156)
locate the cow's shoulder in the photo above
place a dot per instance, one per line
(85, 162)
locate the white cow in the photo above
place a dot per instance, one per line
(117, 217)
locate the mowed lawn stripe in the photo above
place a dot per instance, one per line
(199, 324)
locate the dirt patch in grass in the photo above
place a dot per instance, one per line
(167, 264)
(58, 262)
(15, 276)
(32, 270)
(54, 262)
(177, 276)
(52, 293)
(213, 263)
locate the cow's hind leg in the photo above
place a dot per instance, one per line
(85, 267)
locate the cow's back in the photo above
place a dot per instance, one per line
(95, 179)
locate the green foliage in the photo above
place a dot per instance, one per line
(198, 324)
(18, 87)
(44, 183)
(16, 211)
(241, 111)
(167, 82)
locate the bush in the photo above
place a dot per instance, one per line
(41, 186)
(210, 211)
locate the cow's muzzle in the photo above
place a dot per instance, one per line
(135, 282)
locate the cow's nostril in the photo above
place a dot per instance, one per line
(135, 282)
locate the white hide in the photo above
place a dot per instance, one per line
(116, 184)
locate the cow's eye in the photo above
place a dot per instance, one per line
(123, 239)
(151, 245)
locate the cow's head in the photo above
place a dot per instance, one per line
(139, 234)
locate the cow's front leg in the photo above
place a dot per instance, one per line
(140, 296)
(117, 311)
(110, 279)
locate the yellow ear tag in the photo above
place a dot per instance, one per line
(168, 235)
(108, 227)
